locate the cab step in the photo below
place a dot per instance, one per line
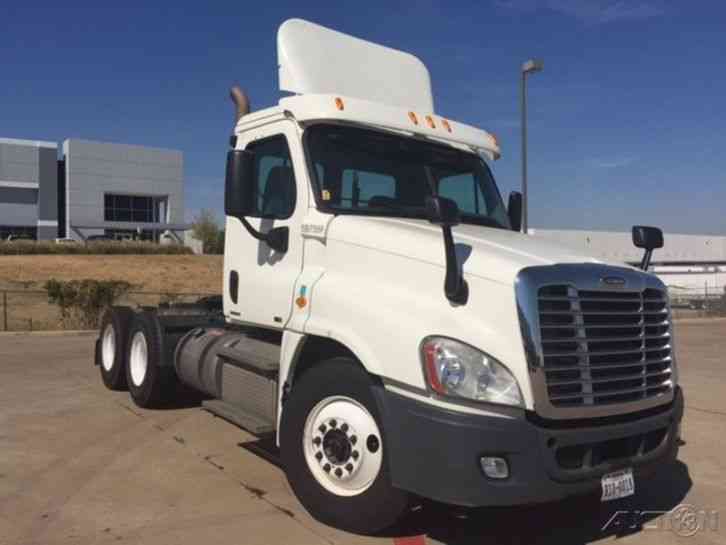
(251, 422)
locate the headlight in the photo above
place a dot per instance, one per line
(458, 370)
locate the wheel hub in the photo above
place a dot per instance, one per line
(336, 442)
(334, 448)
(337, 447)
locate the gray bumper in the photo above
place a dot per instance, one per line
(435, 453)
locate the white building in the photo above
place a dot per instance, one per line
(693, 266)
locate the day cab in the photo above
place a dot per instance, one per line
(387, 321)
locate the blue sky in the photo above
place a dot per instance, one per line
(626, 121)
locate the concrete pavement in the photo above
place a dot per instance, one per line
(80, 464)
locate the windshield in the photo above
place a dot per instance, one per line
(360, 171)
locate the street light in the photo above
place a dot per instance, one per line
(528, 67)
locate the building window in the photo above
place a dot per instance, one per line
(134, 208)
(19, 232)
(130, 234)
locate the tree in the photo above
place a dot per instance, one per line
(205, 228)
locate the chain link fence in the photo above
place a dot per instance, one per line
(698, 302)
(29, 310)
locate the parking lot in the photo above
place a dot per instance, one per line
(80, 464)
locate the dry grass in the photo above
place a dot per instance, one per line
(157, 273)
(148, 273)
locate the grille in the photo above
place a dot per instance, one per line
(601, 347)
(589, 455)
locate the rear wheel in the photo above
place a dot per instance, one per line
(334, 451)
(111, 349)
(151, 382)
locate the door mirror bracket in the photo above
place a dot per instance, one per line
(444, 212)
(239, 199)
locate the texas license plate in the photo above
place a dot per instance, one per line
(619, 484)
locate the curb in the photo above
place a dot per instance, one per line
(50, 333)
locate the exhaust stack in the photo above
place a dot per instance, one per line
(241, 102)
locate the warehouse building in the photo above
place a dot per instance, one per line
(91, 189)
(692, 266)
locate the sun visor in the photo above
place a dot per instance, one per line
(316, 60)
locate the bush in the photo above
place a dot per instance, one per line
(81, 302)
(205, 228)
(106, 247)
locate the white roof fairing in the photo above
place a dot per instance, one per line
(316, 60)
(339, 78)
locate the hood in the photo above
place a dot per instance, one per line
(495, 254)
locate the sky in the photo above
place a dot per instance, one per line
(626, 122)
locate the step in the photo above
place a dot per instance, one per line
(236, 415)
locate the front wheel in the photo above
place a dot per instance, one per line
(334, 452)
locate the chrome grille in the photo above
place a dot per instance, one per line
(604, 346)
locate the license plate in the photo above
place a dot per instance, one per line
(619, 484)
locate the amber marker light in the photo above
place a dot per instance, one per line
(412, 117)
(446, 125)
(339, 104)
(430, 121)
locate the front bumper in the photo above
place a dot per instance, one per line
(435, 452)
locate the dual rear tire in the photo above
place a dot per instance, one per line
(132, 354)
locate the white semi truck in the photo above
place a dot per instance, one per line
(385, 319)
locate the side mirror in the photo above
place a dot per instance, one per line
(239, 197)
(445, 212)
(648, 238)
(514, 210)
(442, 211)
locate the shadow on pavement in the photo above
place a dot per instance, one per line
(576, 520)
(184, 398)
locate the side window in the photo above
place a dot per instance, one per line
(464, 190)
(275, 191)
(359, 186)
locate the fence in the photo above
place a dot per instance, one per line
(29, 310)
(705, 301)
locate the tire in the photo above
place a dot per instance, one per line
(111, 346)
(354, 492)
(151, 383)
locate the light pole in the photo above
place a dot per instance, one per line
(528, 67)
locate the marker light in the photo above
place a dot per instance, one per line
(446, 125)
(412, 117)
(339, 104)
(455, 369)
(430, 121)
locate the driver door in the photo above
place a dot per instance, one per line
(259, 281)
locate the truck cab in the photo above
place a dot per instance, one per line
(387, 321)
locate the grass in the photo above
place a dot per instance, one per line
(148, 273)
(32, 247)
